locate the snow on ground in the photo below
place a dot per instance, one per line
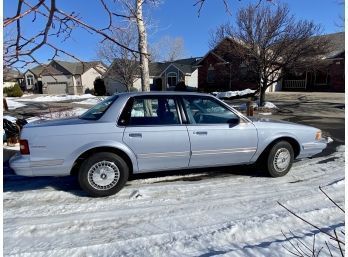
(224, 213)
(54, 98)
(229, 94)
(12, 104)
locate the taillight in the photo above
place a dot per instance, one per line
(24, 146)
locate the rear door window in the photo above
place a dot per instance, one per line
(152, 110)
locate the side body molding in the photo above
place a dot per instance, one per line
(112, 144)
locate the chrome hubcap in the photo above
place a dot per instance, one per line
(103, 175)
(281, 159)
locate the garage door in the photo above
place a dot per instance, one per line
(56, 88)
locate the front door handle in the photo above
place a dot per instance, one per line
(135, 135)
(200, 133)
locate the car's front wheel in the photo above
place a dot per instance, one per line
(280, 159)
(103, 174)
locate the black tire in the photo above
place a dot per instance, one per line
(279, 159)
(103, 174)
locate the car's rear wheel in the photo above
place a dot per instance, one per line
(280, 159)
(103, 174)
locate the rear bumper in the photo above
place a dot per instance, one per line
(23, 166)
(312, 148)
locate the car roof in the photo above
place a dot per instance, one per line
(130, 94)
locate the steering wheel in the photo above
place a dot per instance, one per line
(198, 116)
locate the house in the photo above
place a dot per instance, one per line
(32, 79)
(163, 76)
(62, 77)
(327, 73)
(12, 77)
(222, 70)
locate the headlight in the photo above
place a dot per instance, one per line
(318, 135)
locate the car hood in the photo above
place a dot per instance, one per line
(266, 121)
(58, 122)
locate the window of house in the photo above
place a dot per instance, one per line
(172, 79)
(211, 74)
(30, 80)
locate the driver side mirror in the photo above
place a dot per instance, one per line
(233, 122)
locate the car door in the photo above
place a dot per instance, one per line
(218, 136)
(155, 133)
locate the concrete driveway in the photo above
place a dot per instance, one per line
(323, 110)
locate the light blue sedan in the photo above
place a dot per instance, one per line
(155, 131)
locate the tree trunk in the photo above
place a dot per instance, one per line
(263, 92)
(5, 104)
(144, 61)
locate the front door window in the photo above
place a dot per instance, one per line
(204, 110)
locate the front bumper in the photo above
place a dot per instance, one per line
(312, 148)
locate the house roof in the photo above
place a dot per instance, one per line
(11, 75)
(72, 68)
(336, 44)
(187, 66)
(37, 70)
(78, 67)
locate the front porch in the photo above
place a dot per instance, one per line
(307, 81)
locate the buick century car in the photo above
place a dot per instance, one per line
(155, 131)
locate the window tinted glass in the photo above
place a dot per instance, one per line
(205, 110)
(99, 109)
(154, 111)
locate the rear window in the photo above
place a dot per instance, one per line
(97, 111)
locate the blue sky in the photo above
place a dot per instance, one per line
(176, 18)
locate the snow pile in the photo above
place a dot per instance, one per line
(232, 212)
(10, 118)
(56, 98)
(91, 101)
(13, 104)
(269, 105)
(229, 94)
(58, 115)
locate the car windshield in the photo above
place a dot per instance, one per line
(99, 109)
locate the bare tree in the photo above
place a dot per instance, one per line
(124, 63)
(168, 49)
(270, 40)
(60, 23)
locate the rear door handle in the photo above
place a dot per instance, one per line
(135, 135)
(200, 133)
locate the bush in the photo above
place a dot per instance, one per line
(99, 87)
(89, 91)
(181, 86)
(14, 91)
